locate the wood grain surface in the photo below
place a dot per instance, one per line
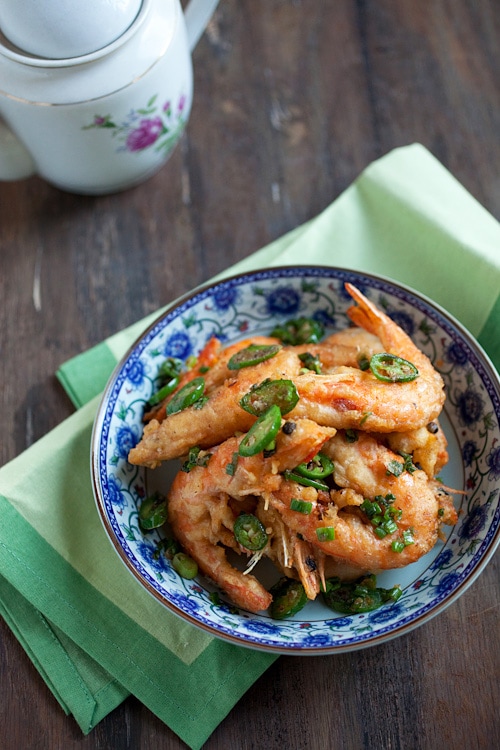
(293, 98)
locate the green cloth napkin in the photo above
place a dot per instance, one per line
(93, 633)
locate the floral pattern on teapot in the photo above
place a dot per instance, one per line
(152, 125)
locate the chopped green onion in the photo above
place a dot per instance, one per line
(397, 545)
(231, 467)
(301, 506)
(408, 537)
(395, 468)
(382, 514)
(311, 362)
(184, 565)
(252, 355)
(194, 459)
(392, 369)
(325, 533)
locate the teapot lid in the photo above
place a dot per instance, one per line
(61, 29)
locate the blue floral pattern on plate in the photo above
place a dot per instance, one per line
(252, 304)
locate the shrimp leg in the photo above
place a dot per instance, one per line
(202, 516)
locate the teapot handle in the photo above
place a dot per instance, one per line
(16, 162)
(197, 15)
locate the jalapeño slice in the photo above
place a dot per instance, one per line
(292, 476)
(252, 355)
(186, 396)
(289, 597)
(318, 467)
(392, 369)
(261, 433)
(153, 512)
(250, 532)
(362, 595)
(164, 391)
(259, 398)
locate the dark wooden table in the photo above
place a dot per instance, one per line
(293, 99)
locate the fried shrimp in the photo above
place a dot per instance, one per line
(349, 398)
(211, 363)
(344, 397)
(364, 467)
(345, 484)
(202, 514)
(220, 417)
(427, 446)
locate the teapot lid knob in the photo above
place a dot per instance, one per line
(60, 29)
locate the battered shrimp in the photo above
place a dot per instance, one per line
(344, 397)
(427, 446)
(220, 418)
(202, 516)
(348, 398)
(364, 343)
(211, 363)
(362, 467)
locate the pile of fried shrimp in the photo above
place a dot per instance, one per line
(378, 506)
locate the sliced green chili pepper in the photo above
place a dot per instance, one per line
(301, 506)
(289, 597)
(250, 532)
(164, 391)
(184, 565)
(153, 512)
(261, 433)
(299, 331)
(392, 369)
(260, 397)
(252, 355)
(318, 467)
(359, 596)
(292, 476)
(187, 395)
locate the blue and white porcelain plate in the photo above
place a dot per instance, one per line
(253, 303)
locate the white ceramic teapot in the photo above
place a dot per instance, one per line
(95, 95)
